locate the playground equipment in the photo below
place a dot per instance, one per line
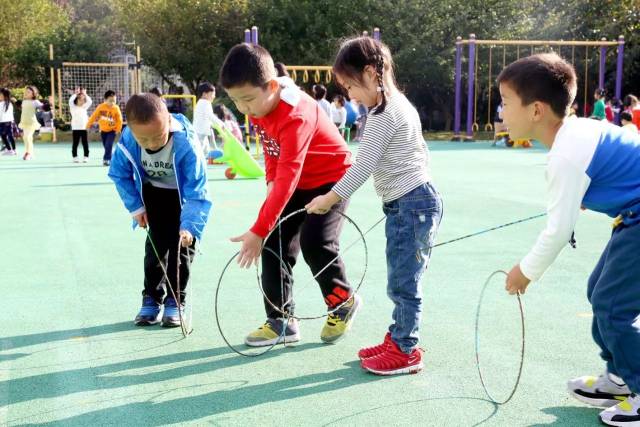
(534, 46)
(236, 156)
(121, 76)
(319, 74)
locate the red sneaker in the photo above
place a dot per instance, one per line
(393, 361)
(368, 352)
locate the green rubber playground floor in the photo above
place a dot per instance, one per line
(71, 276)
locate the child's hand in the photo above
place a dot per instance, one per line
(322, 204)
(516, 281)
(269, 187)
(251, 247)
(141, 219)
(186, 238)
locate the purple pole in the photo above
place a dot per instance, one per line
(619, 67)
(254, 35)
(603, 57)
(458, 79)
(470, 84)
(247, 36)
(376, 33)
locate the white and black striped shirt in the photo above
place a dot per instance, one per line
(392, 150)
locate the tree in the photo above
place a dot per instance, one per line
(191, 43)
(22, 21)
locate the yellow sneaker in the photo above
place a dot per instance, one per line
(339, 322)
(271, 333)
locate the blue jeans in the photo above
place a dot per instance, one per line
(411, 227)
(614, 293)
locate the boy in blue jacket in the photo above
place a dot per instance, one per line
(161, 177)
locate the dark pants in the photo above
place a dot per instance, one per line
(6, 133)
(614, 293)
(318, 238)
(163, 213)
(107, 143)
(77, 136)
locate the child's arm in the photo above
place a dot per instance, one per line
(195, 211)
(566, 186)
(294, 139)
(118, 119)
(88, 103)
(71, 99)
(123, 175)
(93, 117)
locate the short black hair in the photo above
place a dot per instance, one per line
(156, 91)
(203, 88)
(544, 77)
(625, 115)
(319, 91)
(247, 64)
(109, 94)
(143, 108)
(281, 69)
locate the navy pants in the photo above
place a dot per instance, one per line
(107, 142)
(614, 293)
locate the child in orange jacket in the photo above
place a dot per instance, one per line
(109, 120)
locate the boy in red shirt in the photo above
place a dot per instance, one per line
(304, 157)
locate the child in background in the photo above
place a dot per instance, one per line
(6, 122)
(79, 104)
(28, 121)
(203, 117)
(161, 177)
(319, 94)
(110, 121)
(593, 165)
(304, 157)
(599, 106)
(393, 151)
(225, 115)
(627, 122)
(339, 113)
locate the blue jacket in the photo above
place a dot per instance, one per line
(190, 168)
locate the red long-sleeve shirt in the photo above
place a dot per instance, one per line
(302, 150)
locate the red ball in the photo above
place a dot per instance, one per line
(229, 173)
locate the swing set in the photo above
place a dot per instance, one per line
(319, 74)
(567, 49)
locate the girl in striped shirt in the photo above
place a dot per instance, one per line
(394, 152)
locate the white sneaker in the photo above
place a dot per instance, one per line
(604, 391)
(625, 413)
(85, 160)
(76, 160)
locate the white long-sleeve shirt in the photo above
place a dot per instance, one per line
(392, 149)
(203, 117)
(338, 115)
(592, 164)
(79, 113)
(6, 115)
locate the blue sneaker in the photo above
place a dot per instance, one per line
(149, 312)
(171, 315)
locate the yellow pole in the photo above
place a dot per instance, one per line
(60, 92)
(54, 137)
(139, 74)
